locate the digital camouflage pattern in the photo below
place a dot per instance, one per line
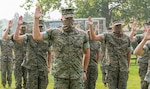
(94, 49)
(92, 71)
(20, 72)
(67, 13)
(63, 83)
(6, 61)
(117, 49)
(116, 82)
(36, 63)
(147, 50)
(144, 58)
(68, 53)
(142, 63)
(143, 67)
(103, 62)
(37, 79)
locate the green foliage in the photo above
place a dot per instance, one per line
(135, 9)
(128, 10)
(46, 5)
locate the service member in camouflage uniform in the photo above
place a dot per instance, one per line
(103, 60)
(144, 48)
(6, 60)
(142, 60)
(92, 71)
(36, 59)
(20, 54)
(118, 52)
(69, 46)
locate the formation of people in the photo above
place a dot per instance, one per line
(74, 54)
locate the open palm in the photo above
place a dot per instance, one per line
(147, 35)
(38, 12)
(10, 24)
(20, 20)
(134, 26)
(90, 22)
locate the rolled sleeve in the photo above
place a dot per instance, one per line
(25, 37)
(45, 35)
(50, 48)
(99, 47)
(103, 38)
(138, 38)
(146, 47)
(86, 42)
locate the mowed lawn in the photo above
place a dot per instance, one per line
(133, 81)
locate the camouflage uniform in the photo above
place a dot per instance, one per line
(92, 71)
(147, 50)
(6, 61)
(19, 71)
(142, 63)
(104, 63)
(117, 47)
(36, 63)
(67, 66)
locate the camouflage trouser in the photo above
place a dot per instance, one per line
(63, 83)
(37, 79)
(142, 72)
(117, 79)
(6, 69)
(104, 70)
(92, 74)
(147, 76)
(20, 73)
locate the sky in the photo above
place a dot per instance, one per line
(9, 7)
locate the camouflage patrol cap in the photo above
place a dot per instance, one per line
(117, 22)
(66, 13)
(41, 23)
(24, 23)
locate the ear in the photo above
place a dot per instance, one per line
(61, 19)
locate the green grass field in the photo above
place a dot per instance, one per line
(133, 81)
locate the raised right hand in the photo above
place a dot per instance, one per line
(96, 27)
(38, 12)
(20, 20)
(10, 23)
(134, 26)
(90, 22)
(147, 35)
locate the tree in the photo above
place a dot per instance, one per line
(46, 5)
(28, 17)
(84, 8)
(136, 9)
(110, 9)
